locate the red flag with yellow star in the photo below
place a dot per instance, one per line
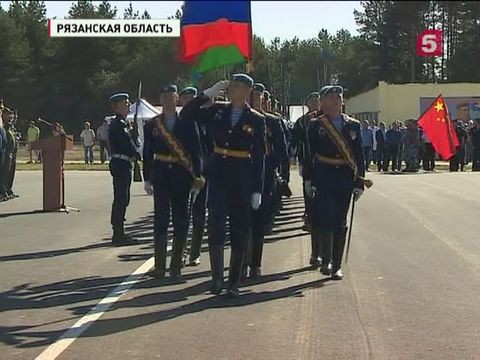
(438, 127)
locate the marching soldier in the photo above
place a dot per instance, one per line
(235, 173)
(334, 169)
(200, 204)
(299, 137)
(123, 155)
(172, 170)
(275, 151)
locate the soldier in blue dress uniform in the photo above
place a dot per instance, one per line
(333, 170)
(299, 138)
(200, 204)
(172, 170)
(235, 172)
(124, 153)
(275, 151)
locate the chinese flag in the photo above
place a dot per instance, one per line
(439, 129)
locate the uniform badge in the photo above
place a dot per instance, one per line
(248, 129)
(155, 132)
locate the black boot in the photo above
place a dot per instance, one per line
(176, 262)
(315, 256)
(337, 251)
(236, 264)
(160, 255)
(196, 245)
(216, 264)
(326, 244)
(256, 257)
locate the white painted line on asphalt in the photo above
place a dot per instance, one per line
(59, 346)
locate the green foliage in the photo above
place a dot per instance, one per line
(68, 80)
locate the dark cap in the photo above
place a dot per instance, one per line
(330, 89)
(243, 78)
(259, 87)
(266, 95)
(312, 94)
(189, 90)
(172, 88)
(117, 97)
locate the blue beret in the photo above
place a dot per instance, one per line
(117, 97)
(266, 95)
(259, 87)
(330, 89)
(312, 94)
(243, 78)
(189, 90)
(172, 88)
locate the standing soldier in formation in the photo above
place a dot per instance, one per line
(334, 169)
(9, 165)
(275, 152)
(200, 204)
(411, 146)
(475, 136)
(124, 153)
(171, 171)
(300, 139)
(235, 173)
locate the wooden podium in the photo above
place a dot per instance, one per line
(53, 149)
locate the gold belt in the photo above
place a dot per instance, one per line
(166, 158)
(329, 160)
(241, 154)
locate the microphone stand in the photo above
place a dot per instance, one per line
(63, 207)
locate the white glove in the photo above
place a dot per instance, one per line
(215, 90)
(147, 186)
(194, 193)
(256, 200)
(308, 188)
(357, 193)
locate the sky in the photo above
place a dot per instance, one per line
(285, 19)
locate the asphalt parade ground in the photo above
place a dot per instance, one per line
(411, 288)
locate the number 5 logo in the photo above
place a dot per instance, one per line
(430, 43)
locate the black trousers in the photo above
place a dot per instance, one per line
(104, 147)
(121, 172)
(199, 211)
(392, 155)
(367, 151)
(380, 156)
(457, 162)
(333, 193)
(476, 158)
(428, 157)
(171, 190)
(261, 218)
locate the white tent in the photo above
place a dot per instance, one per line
(146, 111)
(296, 111)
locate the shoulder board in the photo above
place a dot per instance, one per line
(351, 119)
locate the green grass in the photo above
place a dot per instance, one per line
(68, 167)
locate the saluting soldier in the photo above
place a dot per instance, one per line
(172, 170)
(235, 171)
(124, 153)
(8, 171)
(333, 170)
